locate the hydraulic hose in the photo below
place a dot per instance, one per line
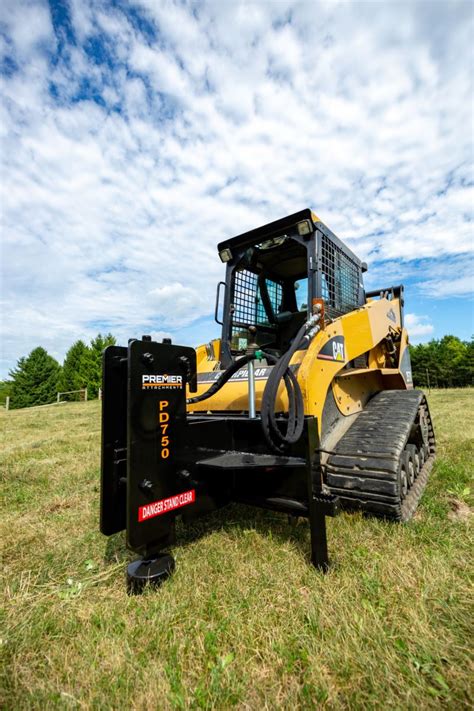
(278, 439)
(221, 380)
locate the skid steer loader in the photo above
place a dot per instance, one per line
(305, 405)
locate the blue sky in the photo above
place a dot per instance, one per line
(136, 135)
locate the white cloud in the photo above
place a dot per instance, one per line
(29, 25)
(418, 327)
(178, 305)
(206, 120)
(443, 288)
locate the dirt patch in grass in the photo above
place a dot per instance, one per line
(460, 511)
(245, 622)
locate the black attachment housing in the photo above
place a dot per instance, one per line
(158, 461)
(143, 416)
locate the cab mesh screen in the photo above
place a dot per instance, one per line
(340, 280)
(248, 306)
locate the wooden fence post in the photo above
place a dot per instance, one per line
(7, 402)
(85, 395)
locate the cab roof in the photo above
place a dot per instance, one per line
(282, 226)
(272, 228)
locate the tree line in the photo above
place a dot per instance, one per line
(445, 363)
(38, 377)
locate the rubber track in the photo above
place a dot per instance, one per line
(363, 468)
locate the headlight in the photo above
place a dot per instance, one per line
(225, 255)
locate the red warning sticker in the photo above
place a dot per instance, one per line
(166, 505)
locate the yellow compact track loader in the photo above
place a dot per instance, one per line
(305, 405)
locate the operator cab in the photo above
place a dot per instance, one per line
(276, 273)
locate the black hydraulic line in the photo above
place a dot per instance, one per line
(277, 439)
(222, 379)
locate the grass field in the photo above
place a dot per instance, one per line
(245, 621)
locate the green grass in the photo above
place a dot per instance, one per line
(245, 621)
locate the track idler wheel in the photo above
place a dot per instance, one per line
(417, 460)
(421, 454)
(403, 476)
(411, 457)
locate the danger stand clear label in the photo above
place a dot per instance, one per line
(157, 508)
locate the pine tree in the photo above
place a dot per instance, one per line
(96, 349)
(76, 368)
(5, 390)
(35, 379)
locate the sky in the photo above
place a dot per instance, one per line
(136, 135)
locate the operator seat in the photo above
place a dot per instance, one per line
(289, 323)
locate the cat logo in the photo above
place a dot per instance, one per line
(338, 351)
(391, 315)
(333, 350)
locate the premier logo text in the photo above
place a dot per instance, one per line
(162, 381)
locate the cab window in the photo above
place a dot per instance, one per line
(301, 294)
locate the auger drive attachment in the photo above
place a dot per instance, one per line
(305, 405)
